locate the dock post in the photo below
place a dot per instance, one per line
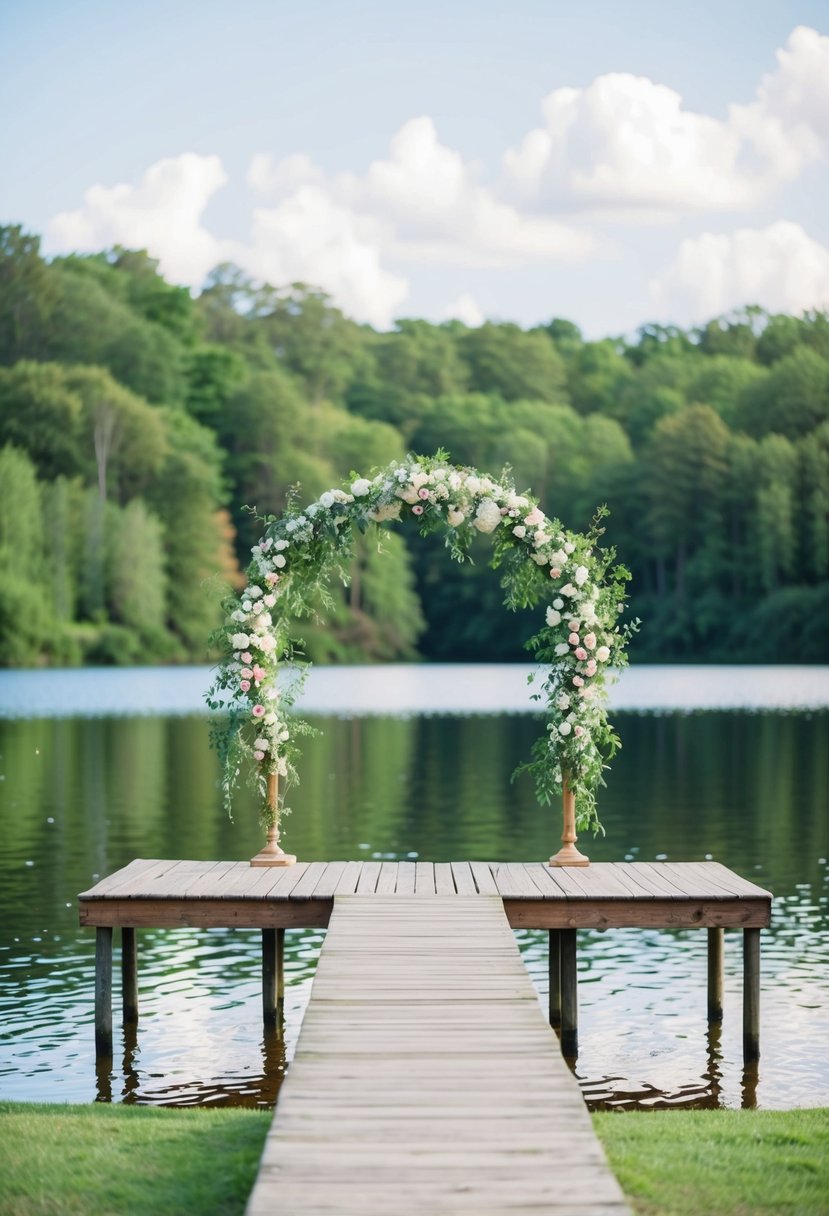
(751, 995)
(273, 975)
(129, 975)
(103, 990)
(715, 974)
(569, 995)
(555, 977)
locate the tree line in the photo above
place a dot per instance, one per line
(145, 432)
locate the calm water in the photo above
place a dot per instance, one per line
(86, 790)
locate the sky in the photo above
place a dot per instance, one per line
(613, 163)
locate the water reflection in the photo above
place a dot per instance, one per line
(83, 796)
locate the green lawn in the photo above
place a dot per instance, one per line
(720, 1162)
(101, 1160)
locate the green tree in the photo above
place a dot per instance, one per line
(27, 294)
(505, 360)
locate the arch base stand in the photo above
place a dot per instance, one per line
(568, 854)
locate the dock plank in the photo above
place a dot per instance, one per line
(425, 1078)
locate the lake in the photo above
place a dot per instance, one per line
(98, 767)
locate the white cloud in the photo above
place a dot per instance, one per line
(627, 144)
(267, 176)
(466, 309)
(311, 238)
(162, 214)
(779, 267)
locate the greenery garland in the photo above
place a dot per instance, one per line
(581, 644)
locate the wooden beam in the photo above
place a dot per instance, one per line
(715, 975)
(103, 991)
(751, 995)
(129, 975)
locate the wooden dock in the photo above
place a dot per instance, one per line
(605, 895)
(426, 1079)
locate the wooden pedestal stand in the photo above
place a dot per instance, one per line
(568, 854)
(271, 854)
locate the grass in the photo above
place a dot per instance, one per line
(720, 1162)
(101, 1160)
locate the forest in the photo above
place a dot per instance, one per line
(145, 432)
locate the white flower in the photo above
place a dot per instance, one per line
(262, 622)
(240, 641)
(562, 648)
(539, 559)
(569, 547)
(520, 531)
(419, 478)
(409, 495)
(267, 642)
(282, 766)
(327, 499)
(563, 701)
(582, 575)
(238, 615)
(553, 618)
(569, 589)
(540, 538)
(588, 612)
(564, 728)
(558, 603)
(279, 561)
(269, 600)
(455, 517)
(488, 515)
(473, 485)
(261, 745)
(559, 558)
(282, 544)
(360, 487)
(573, 624)
(603, 654)
(253, 592)
(390, 510)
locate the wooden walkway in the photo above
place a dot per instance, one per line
(426, 1079)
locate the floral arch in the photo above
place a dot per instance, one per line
(579, 642)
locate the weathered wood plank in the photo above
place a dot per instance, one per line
(387, 882)
(369, 877)
(482, 873)
(464, 880)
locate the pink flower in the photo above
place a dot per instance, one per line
(581, 653)
(259, 755)
(535, 518)
(573, 639)
(590, 640)
(555, 572)
(577, 680)
(423, 492)
(591, 667)
(271, 578)
(245, 685)
(246, 657)
(418, 510)
(246, 673)
(258, 673)
(258, 711)
(578, 731)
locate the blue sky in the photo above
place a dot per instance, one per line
(612, 163)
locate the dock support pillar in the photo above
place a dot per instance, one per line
(751, 995)
(569, 994)
(715, 975)
(129, 975)
(103, 991)
(273, 975)
(555, 977)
